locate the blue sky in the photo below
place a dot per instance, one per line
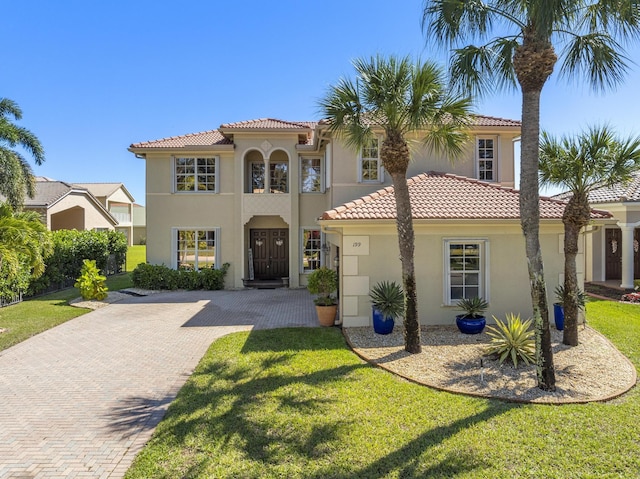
(94, 77)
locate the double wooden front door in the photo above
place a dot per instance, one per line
(613, 254)
(270, 248)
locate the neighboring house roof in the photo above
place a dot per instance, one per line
(49, 192)
(105, 189)
(619, 193)
(447, 196)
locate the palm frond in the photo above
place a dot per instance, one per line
(596, 56)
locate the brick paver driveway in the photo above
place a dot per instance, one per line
(81, 399)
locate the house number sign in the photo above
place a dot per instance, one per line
(356, 245)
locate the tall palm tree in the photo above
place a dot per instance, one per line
(402, 99)
(16, 175)
(517, 43)
(24, 245)
(595, 158)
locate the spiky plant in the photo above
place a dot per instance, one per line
(473, 307)
(512, 340)
(388, 298)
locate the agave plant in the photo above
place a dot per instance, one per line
(388, 298)
(512, 340)
(473, 307)
(561, 294)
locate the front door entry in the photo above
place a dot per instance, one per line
(270, 253)
(613, 253)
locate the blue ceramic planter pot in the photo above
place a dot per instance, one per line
(382, 325)
(558, 316)
(470, 325)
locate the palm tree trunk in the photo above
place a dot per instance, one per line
(576, 216)
(406, 241)
(530, 220)
(570, 300)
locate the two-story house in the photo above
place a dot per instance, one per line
(117, 200)
(277, 199)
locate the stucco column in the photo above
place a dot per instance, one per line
(627, 254)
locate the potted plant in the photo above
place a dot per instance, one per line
(472, 321)
(387, 300)
(558, 306)
(323, 282)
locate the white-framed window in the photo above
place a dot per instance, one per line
(311, 250)
(197, 175)
(195, 248)
(369, 163)
(311, 174)
(256, 177)
(279, 177)
(466, 272)
(487, 158)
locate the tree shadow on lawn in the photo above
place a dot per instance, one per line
(265, 403)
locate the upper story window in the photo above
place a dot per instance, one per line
(310, 175)
(278, 177)
(465, 270)
(370, 166)
(196, 174)
(257, 179)
(487, 157)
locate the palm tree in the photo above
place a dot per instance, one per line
(517, 41)
(16, 176)
(24, 245)
(593, 159)
(403, 100)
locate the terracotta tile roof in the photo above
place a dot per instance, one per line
(482, 120)
(478, 120)
(270, 124)
(204, 138)
(447, 196)
(612, 194)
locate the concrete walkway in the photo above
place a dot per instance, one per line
(81, 399)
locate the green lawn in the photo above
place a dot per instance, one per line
(136, 254)
(297, 403)
(33, 316)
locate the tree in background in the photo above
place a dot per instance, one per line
(594, 158)
(517, 46)
(24, 245)
(401, 99)
(16, 175)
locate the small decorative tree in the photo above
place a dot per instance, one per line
(91, 283)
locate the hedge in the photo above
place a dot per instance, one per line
(161, 277)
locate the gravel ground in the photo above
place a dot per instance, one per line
(592, 371)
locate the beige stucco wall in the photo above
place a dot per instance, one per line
(82, 214)
(345, 165)
(376, 258)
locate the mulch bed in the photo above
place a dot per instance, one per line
(599, 290)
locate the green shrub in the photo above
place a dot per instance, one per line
(213, 279)
(70, 247)
(91, 283)
(161, 277)
(512, 340)
(323, 282)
